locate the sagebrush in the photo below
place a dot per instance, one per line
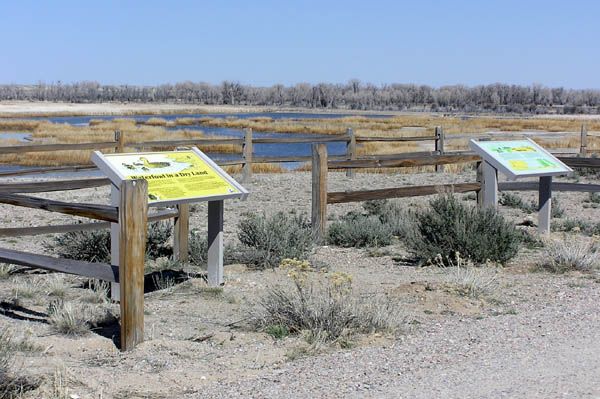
(267, 240)
(321, 305)
(359, 231)
(94, 246)
(449, 226)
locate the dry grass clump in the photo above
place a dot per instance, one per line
(567, 255)
(465, 279)
(158, 122)
(256, 168)
(6, 270)
(76, 319)
(321, 306)
(12, 385)
(68, 319)
(186, 121)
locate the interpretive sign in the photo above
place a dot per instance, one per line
(172, 176)
(520, 158)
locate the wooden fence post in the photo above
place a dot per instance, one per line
(182, 232)
(319, 191)
(583, 147)
(215, 243)
(247, 155)
(439, 145)
(350, 151)
(120, 139)
(133, 219)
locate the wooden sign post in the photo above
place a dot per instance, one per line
(172, 178)
(517, 159)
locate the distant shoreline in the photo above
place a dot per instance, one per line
(25, 109)
(29, 109)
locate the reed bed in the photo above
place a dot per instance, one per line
(257, 168)
(100, 131)
(13, 125)
(364, 126)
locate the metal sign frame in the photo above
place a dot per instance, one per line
(102, 162)
(492, 160)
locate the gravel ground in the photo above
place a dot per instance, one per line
(536, 336)
(548, 352)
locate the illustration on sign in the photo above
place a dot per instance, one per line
(172, 175)
(521, 157)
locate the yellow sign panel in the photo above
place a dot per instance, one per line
(173, 175)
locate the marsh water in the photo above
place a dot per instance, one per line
(260, 150)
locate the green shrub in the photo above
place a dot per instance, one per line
(359, 231)
(514, 201)
(198, 250)
(91, 246)
(94, 246)
(268, 240)
(157, 242)
(390, 214)
(449, 226)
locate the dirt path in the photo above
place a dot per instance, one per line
(551, 352)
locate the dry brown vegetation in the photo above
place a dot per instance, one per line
(365, 126)
(44, 132)
(396, 126)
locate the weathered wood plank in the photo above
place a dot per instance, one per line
(351, 152)
(51, 169)
(92, 211)
(185, 142)
(319, 191)
(402, 161)
(439, 146)
(534, 186)
(247, 152)
(399, 192)
(584, 140)
(228, 162)
(395, 139)
(66, 228)
(133, 217)
(20, 149)
(293, 159)
(100, 271)
(577, 162)
(298, 140)
(52, 185)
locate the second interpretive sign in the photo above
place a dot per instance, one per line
(520, 158)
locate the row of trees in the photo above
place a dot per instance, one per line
(352, 95)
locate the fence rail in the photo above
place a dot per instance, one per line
(321, 165)
(247, 157)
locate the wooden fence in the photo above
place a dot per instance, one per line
(321, 165)
(130, 215)
(248, 158)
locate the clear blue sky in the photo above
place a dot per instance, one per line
(555, 43)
